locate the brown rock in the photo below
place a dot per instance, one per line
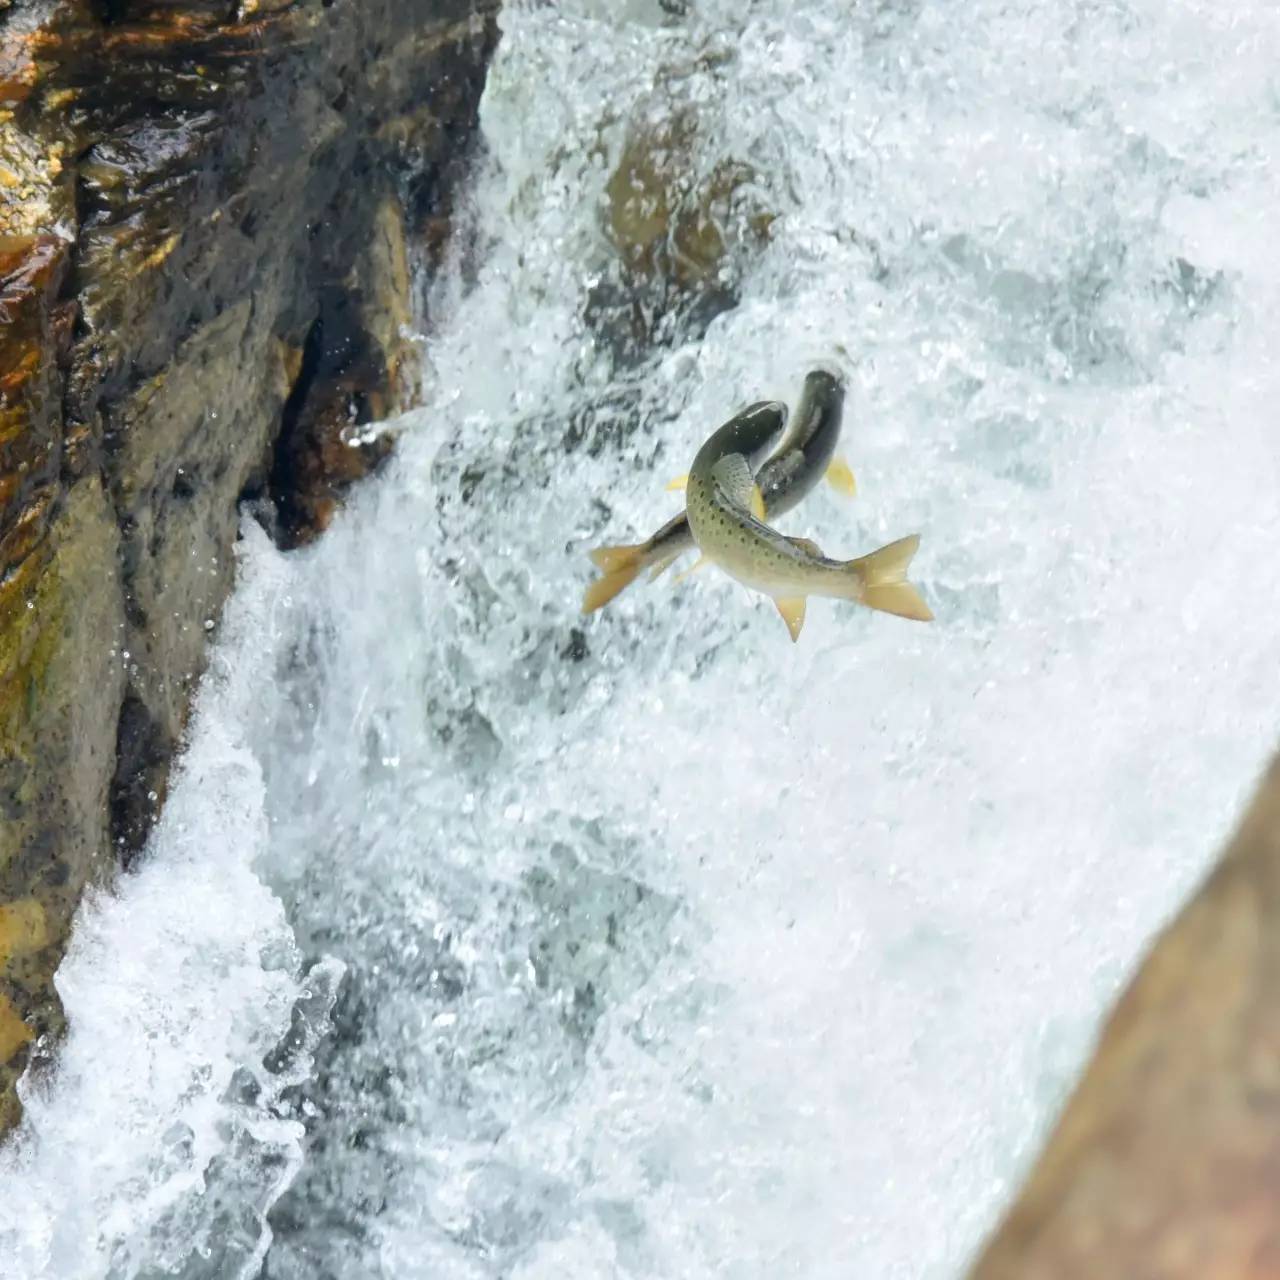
(661, 216)
(355, 368)
(205, 218)
(1165, 1164)
(679, 221)
(61, 682)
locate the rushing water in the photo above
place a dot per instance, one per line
(478, 941)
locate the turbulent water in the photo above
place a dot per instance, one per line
(481, 941)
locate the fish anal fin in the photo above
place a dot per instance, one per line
(792, 611)
(807, 545)
(840, 478)
(757, 503)
(679, 483)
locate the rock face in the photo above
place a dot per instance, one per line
(1166, 1162)
(205, 214)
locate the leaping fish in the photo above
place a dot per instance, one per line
(724, 507)
(804, 456)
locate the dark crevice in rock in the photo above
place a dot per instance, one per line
(282, 481)
(109, 12)
(341, 386)
(143, 753)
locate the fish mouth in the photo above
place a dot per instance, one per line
(829, 371)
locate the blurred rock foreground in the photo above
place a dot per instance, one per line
(207, 211)
(1165, 1164)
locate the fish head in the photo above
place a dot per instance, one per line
(753, 432)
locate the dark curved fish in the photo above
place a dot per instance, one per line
(726, 512)
(804, 456)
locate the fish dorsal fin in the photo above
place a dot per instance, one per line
(807, 544)
(792, 611)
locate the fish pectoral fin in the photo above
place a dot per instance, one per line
(840, 478)
(792, 611)
(732, 476)
(693, 568)
(808, 545)
(679, 483)
(663, 565)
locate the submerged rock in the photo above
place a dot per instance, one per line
(205, 214)
(1166, 1162)
(680, 218)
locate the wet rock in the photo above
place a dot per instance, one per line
(207, 215)
(681, 219)
(356, 367)
(61, 683)
(1166, 1162)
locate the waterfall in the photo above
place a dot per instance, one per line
(480, 940)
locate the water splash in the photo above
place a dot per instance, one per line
(671, 948)
(163, 1137)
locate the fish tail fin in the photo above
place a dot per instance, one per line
(620, 565)
(882, 577)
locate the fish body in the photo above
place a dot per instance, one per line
(786, 478)
(721, 500)
(805, 454)
(723, 504)
(754, 432)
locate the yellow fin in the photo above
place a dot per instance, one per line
(663, 565)
(883, 577)
(614, 559)
(840, 478)
(693, 568)
(620, 566)
(757, 502)
(807, 544)
(792, 611)
(680, 482)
